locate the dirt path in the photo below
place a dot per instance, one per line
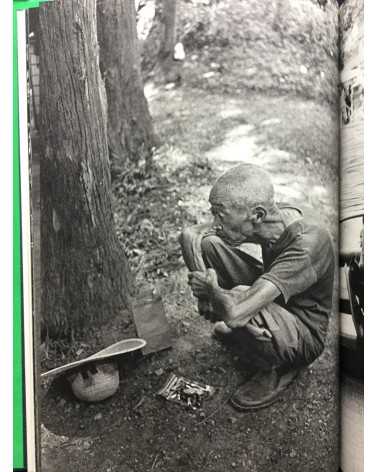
(295, 140)
(205, 135)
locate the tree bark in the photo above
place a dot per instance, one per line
(168, 42)
(85, 275)
(130, 130)
(167, 67)
(159, 46)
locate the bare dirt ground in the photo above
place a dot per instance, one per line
(135, 430)
(259, 85)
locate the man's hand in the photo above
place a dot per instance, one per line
(205, 309)
(205, 286)
(236, 306)
(203, 283)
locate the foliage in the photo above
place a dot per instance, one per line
(276, 47)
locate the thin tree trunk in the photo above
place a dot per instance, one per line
(85, 275)
(168, 68)
(130, 129)
(169, 22)
(159, 47)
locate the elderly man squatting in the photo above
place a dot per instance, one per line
(277, 312)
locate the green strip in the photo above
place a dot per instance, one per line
(19, 437)
(25, 4)
(18, 384)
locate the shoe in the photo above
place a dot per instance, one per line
(263, 389)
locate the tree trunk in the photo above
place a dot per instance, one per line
(85, 275)
(130, 129)
(169, 24)
(167, 46)
(159, 58)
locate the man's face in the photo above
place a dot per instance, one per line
(230, 223)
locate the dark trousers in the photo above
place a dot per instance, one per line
(287, 342)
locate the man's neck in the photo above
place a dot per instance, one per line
(271, 232)
(273, 228)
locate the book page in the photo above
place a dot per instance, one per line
(186, 153)
(351, 233)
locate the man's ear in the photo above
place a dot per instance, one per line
(259, 214)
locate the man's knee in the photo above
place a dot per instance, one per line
(209, 244)
(186, 237)
(190, 241)
(192, 234)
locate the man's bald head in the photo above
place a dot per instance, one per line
(244, 186)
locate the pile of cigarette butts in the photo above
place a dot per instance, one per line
(187, 392)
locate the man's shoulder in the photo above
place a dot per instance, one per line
(308, 231)
(316, 241)
(310, 220)
(292, 212)
(305, 230)
(302, 210)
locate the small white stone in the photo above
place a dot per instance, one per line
(170, 86)
(207, 75)
(179, 52)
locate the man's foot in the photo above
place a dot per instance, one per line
(263, 389)
(221, 331)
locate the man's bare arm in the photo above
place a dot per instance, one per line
(237, 308)
(234, 307)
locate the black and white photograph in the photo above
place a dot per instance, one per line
(185, 222)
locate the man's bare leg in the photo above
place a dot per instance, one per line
(202, 249)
